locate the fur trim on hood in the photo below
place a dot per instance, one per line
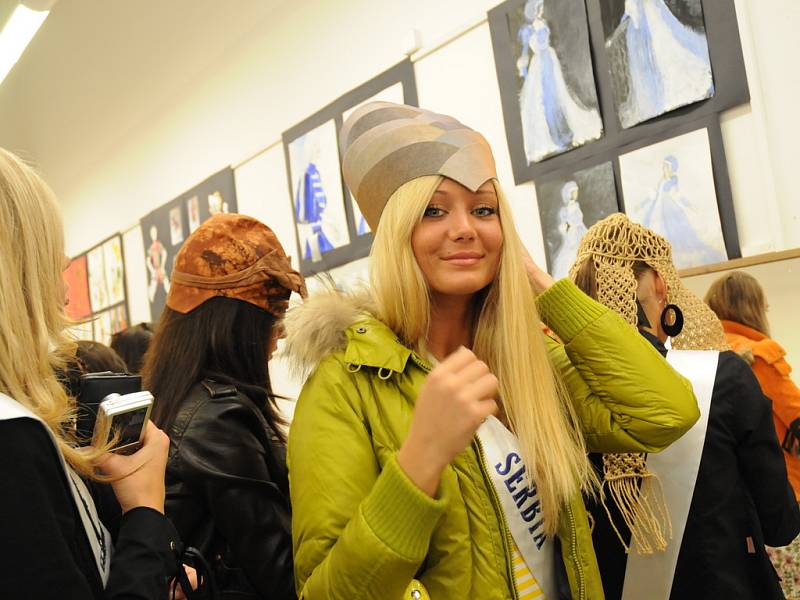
(317, 327)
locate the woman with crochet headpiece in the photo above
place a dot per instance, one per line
(438, 449)
(227, 485)
(55, 544)
(695, 517)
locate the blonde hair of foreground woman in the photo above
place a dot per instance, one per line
(507, 337)
(32, 294)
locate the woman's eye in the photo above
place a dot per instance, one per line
(433, 211)
(485, 211)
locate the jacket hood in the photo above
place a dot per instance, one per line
(336, 321)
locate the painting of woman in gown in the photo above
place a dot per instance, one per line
(659, 63)
(554, 119)
(571, 228)
(310, 204)
(318, 200)
(568, 205)
(156, 265)
(669, 187)
(672, 215)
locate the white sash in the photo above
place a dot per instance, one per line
(96, 533)
(650, 576)
(521, 507)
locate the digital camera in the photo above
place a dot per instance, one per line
(123, 417)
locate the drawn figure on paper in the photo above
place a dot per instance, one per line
(553, 119)
(667, 62)
(216, 204)
(672, 215)
(310, 204)
(572, 229)
(156, 265)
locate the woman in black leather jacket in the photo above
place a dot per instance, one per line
(227, 485)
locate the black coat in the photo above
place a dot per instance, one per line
(45, 553)
(228, 491)
(742, 493)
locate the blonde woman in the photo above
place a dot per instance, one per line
(54, 544)
(404, 483)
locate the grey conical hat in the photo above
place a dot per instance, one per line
(385, 145)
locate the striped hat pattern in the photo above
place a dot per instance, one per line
(385, 145)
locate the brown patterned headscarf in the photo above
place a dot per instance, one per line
(233, 256)
(385, 145)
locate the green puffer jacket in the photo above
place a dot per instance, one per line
(363, 530)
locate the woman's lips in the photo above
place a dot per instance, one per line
(464, 259)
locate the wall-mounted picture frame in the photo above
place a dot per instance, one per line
(330, 231)
(165, 229)
(728, 86)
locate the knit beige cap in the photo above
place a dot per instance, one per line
(385, 145)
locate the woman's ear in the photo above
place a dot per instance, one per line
(660, 288)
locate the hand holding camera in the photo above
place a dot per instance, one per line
(138, 478)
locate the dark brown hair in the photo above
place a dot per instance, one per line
(223, 339)
(131, 344)
(95, 357)
(737, 296)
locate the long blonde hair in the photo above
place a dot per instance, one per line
(32, 319)
(737, 296)
(507, 336)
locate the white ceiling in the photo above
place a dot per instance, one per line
(99, 69)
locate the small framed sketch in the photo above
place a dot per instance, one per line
(166, 228)
(329, 228)
(570, 203)
(669, 188)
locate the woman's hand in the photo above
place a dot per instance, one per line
(191, 575)
(540, 280)
(455, 399)
(138, 479)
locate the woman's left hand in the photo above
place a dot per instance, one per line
(540, 280)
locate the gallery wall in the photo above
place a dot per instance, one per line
(312, 53)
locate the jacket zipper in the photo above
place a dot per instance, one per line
(574, 552)
(508, 542)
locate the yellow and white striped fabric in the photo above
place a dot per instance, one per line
(527, 586)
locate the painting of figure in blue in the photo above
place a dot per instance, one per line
(659, 58)
(557, 95)
(669, 188)
(317, 195)
(568, 205)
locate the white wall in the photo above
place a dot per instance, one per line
(313, 52)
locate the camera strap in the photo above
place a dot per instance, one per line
(96, 534)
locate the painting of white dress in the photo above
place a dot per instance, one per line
(557, 95)
(317, 195)
(568, 206)
(658, 53)
(669, 188)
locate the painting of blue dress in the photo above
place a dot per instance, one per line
(317, 196)
(669, 187)
(557, 95)
(659, 58)
(568, 205)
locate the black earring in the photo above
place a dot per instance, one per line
(677, 325)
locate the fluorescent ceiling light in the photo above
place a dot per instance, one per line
(18, 32)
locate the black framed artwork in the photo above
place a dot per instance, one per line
(695, 68)
(165, 229)
(329, 228)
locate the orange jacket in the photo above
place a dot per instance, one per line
(772, 372)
